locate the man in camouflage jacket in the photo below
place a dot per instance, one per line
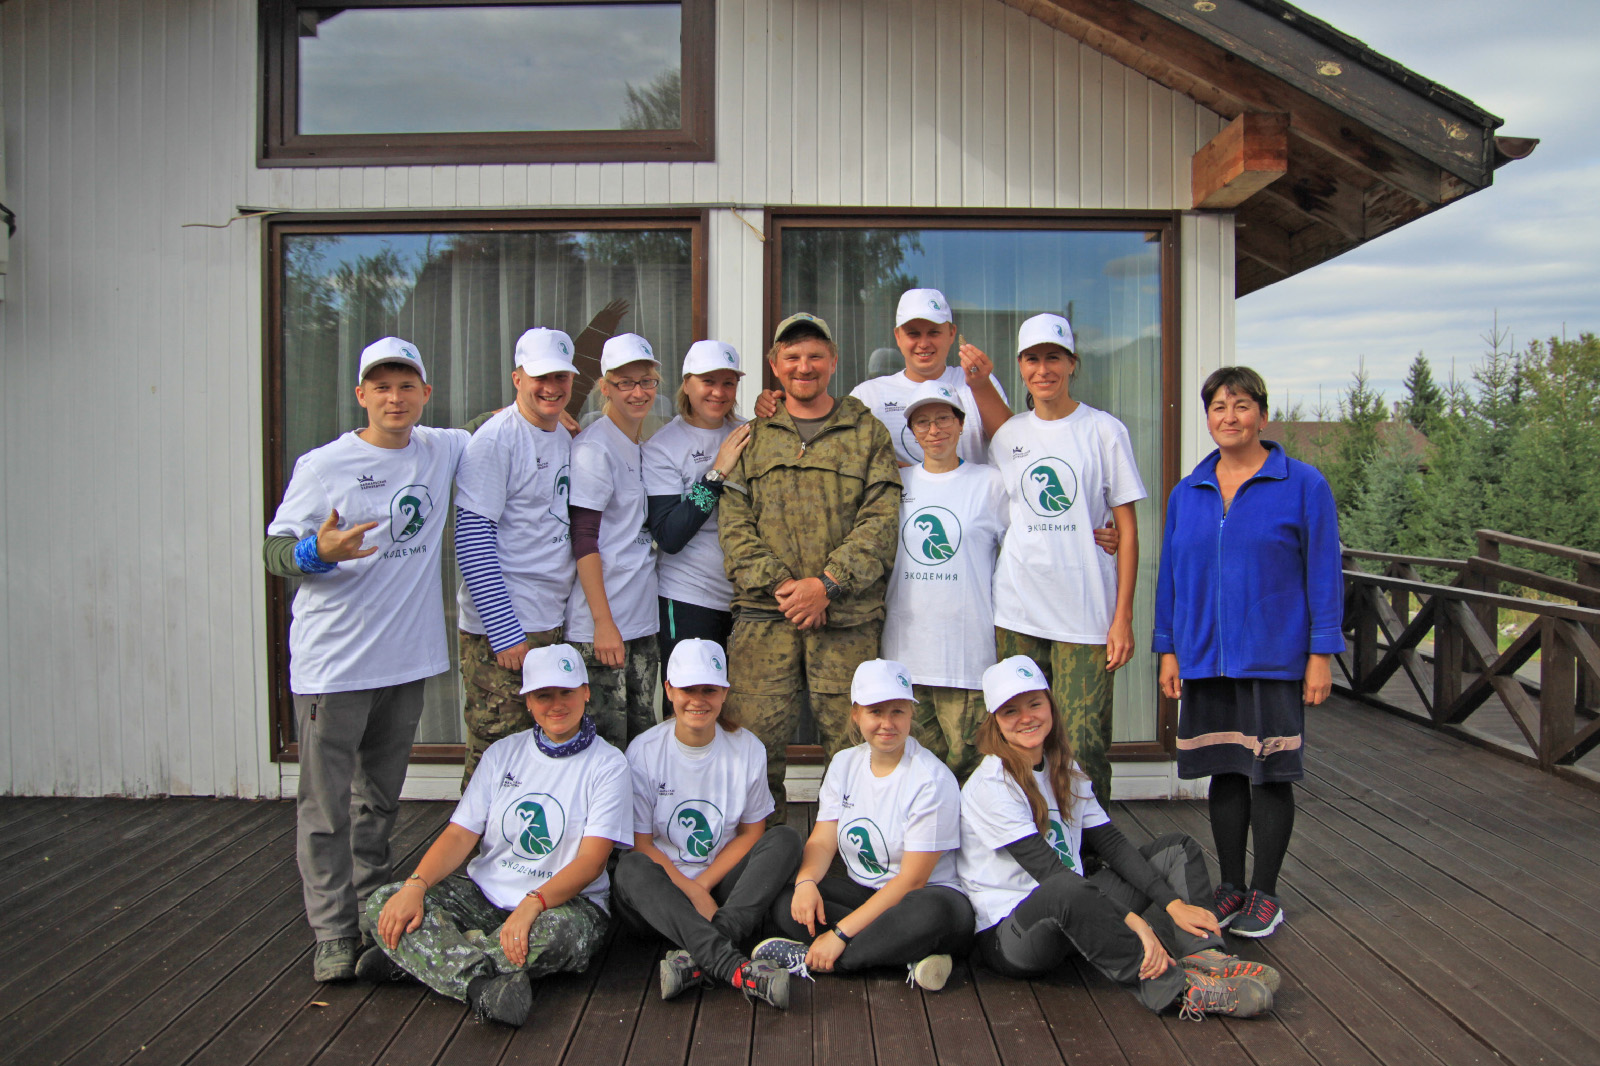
(808, 532)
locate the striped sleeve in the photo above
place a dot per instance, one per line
(477, 553)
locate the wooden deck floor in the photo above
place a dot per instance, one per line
(1440, 902)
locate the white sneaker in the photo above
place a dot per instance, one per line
(931, 973)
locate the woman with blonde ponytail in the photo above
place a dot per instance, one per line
(1021, 867)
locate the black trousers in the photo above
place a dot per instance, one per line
(1069, 913)
(933, 920)
(646, 900)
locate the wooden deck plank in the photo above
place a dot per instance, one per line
(899, 1014)
(74, 851)
(666, 1027)
(1372, 1005)
(611, 1016)
(1081, 1034)
(957, 1023)
(100, 923)
(557, 1009)
(724, 1024)
(1017, 1024)
(1138, 1032)
(841, 1026)
(17, 809)
(782, 1037)
(53, 825)
(372, 1027)
(85, 996)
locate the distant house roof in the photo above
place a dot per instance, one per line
(1312, 440)
(1342, 144)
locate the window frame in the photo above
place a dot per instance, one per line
(779, 219)
(275, 472)
(279, 144)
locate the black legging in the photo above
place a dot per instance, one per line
(1240, 809)
(647, 901)
(933, 920)
(1070, 913)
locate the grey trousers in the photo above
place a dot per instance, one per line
(645, 898)
(354, 747)
(1069, 913)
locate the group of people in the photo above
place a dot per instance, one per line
(946, 586)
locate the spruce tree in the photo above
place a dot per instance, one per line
(1424, 399)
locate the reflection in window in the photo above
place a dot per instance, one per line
(464, 298)
(490, 69)
(1106, 282)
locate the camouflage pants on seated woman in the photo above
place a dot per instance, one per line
(1081, 686)
(459, 938)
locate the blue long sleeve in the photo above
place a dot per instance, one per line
(478, 555)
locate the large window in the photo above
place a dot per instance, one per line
(1106, 276)
(383, 81)
(463, 294)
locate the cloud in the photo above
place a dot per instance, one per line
(1527, 248)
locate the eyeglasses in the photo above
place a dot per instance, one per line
(922, 425)
(628, 385)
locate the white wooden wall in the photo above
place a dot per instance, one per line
(132, 623)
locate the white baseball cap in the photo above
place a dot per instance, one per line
(697, 662)
(390, 350)
(544, 351)
(926, 304)
(935, 391)
(705, 356)
(878, 680)
(623, 349)
(558, 666)
(1046, 329)
(1010, 678)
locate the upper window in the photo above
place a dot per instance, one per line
(391, 83)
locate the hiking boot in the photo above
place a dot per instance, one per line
(335, 960)
(1259, 916)
(1215, 963)
(787, 954)
(1239, 997)
(376, 966)
(930, 973)
(766, 981)
(504, 998)
(679, 973)
(1227, 901)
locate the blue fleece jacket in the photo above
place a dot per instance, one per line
(1253, 592)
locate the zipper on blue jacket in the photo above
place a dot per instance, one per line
(1222, 654)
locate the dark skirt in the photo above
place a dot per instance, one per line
(1243, 726)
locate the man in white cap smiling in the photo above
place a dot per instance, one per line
(512, 540)
(361, 526)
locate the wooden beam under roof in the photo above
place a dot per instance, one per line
(1250, 153)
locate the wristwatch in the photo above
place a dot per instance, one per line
(831, 587)
(715, 476)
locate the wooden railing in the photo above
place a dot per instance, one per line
(1389, 616)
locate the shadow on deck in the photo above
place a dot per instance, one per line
(1440, 902)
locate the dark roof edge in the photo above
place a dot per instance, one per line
(1314, 27)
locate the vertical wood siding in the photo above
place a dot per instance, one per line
(131, 609)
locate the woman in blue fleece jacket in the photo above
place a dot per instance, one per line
(1249, 606)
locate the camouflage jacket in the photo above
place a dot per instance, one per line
(795, 510)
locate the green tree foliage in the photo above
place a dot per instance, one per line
(657, 106)
(1383, 515)
(1361, 411)
(1424, 400)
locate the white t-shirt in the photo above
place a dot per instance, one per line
(378, 620)
(516, 475)
(886, 397)
(608, 476)
(940, 603)
(693, 807)
(533, 811)
(917, 807)
(994, 813)
(1064, 476)
(675, 458)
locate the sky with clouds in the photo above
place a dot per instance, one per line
(1527, 247)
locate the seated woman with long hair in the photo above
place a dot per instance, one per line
(1021, 866)
(704, 866)
(543, 809)
(890, 808)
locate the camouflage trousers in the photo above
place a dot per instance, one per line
(492, 703)
(774, 669)
(1081, 685)
(459, 938)
(622, 699)
(946, 723)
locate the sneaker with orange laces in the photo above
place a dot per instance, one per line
(1214, 962)
(1237, 997)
